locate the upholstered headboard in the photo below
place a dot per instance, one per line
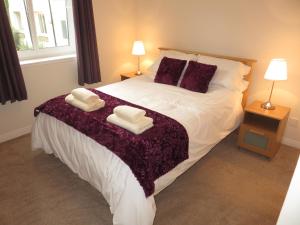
(248, 62)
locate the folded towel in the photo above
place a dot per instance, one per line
(129, 113)
(85, 95)
(142, 125)
(84, 106)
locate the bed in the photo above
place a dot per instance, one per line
(207, 118)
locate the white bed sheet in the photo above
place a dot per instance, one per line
(208, 118)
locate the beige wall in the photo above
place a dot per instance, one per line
(258, 29)
(116, 31)
(43, 81)
(115, 26)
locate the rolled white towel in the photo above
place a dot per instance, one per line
(142, 125)
(129, 113)
(84, 106)
(85, 95)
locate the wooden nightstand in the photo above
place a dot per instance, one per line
(262, 130)
(125, 76)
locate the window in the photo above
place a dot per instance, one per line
(64, 29)
(42, 28)
(42, 23)
(18, 22)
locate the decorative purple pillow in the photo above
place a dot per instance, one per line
(169, 71)
(197, 76)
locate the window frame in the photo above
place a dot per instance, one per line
(35, 52)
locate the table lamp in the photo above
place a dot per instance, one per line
(138, 49)
(277, 70)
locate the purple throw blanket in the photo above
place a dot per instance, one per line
(148, 155)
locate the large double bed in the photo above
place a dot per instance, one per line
(207, 118)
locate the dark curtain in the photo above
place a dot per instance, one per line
(12, 86)
(86, 42)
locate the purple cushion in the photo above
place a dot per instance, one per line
(197, 76)
(169, 71)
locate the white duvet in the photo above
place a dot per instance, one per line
(208, 118)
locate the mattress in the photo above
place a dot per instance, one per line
(208, 118)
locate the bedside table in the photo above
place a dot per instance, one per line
(262, 130)
(125, 76)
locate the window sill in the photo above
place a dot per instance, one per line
(47, 60)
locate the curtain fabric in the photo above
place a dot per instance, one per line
(86, 42)
(12, 86)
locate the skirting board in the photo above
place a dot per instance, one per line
(291, 142)
(15, 133)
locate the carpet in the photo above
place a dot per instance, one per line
(229, 186)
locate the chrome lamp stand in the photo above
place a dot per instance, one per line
(268, 105)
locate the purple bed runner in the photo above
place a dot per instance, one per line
(148, 155)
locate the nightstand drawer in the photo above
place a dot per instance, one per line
(256, 140)
(252, 137)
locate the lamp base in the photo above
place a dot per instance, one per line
(268, 106)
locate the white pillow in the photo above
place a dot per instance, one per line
(171, 54)
(229, 73)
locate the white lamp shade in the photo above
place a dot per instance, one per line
(277, 70)
(138, 48)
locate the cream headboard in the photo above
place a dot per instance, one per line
(248, 62)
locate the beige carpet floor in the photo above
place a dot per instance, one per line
(229, 186)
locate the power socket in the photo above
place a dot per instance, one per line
(293, 121)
